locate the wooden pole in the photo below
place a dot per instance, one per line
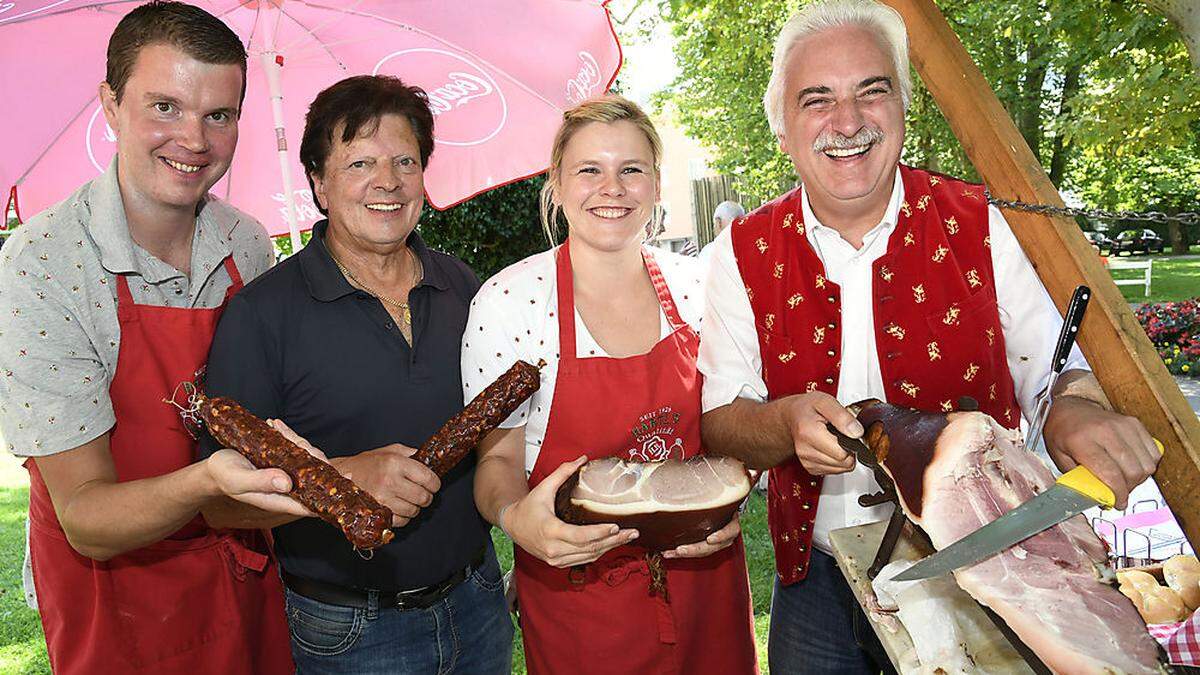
(1122, 357)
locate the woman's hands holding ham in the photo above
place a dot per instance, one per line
(533, 525)
(716, 541)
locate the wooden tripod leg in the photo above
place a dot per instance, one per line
(887, 546)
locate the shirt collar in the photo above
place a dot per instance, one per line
(327, 283)
(891, 215)
(109, 228)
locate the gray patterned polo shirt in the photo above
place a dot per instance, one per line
(59, 335)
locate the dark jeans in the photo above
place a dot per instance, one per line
(469, 631)
(818, 627)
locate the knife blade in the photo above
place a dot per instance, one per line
(1074, 492)
(1066, 339)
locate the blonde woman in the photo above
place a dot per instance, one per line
(615, 322)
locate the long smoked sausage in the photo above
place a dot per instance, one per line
(315, 484)
(459, 436)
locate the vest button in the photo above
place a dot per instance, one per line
(831, 353)
(829, 380)
(832, 324)
(892, 355)
(833, 298)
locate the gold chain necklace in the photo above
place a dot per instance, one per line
(405, 312)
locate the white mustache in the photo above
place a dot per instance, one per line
(832, 139)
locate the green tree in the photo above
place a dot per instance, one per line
(491, 231)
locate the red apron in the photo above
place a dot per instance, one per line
(200, 601)
(601, 618)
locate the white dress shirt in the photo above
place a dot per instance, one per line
(731, 361)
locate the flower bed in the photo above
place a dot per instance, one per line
(1174, 328)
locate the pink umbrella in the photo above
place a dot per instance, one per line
(498, 73)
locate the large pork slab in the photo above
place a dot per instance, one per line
(669, 502)
(958, 471)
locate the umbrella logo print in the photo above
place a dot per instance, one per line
(6, 6)
(469, 105)
(96, 133)
(580, 87)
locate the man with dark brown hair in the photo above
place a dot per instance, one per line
(354, 342)
(109, 301)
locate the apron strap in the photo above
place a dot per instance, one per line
(565, 286)
(235, 279)
(566, 298)
(125, 298)
(664, 293)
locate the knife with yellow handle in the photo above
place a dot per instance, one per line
(1073, 493)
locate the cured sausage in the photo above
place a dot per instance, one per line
(459, 436)
(315, 484)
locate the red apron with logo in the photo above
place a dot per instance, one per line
(200, 601)
(602, 618)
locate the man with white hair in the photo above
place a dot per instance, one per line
(872, 280)
(723, 216)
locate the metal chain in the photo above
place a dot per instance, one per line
(1185, 218)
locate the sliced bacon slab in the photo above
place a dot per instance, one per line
(955, 472)
(670, 502)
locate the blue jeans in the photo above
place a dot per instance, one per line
(469, 631)
(818, 627)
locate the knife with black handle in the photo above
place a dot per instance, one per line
(1062, 351)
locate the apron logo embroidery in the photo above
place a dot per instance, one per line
(651, 433)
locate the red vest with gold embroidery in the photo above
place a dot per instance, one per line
(937, 326)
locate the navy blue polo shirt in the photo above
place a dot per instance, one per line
(302, 345)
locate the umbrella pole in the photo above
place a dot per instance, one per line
(272, 63)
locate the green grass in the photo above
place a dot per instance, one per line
(1172, 278)
(23, 649)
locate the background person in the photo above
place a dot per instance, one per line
(109, 301)
(615, 321)
(354, 343)
(723, 216)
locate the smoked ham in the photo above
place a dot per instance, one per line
(955, 472)
(669, 502)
